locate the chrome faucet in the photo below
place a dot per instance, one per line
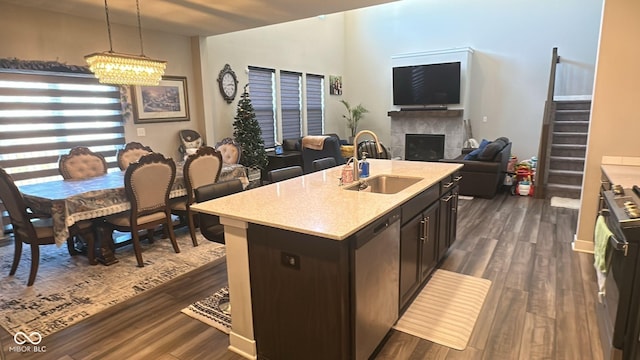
(356, 173)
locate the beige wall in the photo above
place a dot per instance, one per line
(31, 34)
(314, 45)
(615, 122)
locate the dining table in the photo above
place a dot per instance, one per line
(71, 201)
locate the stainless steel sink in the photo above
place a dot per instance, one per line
(384, 184)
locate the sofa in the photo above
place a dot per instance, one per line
(484, 168)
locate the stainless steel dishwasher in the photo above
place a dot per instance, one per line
(376, 277)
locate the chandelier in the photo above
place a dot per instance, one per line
(125, 69)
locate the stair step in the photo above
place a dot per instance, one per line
(569, 146)
(573, 104)
(569, 138)
(566, 177)
(567, 158)
(561, 133)
(563, 190)
(571, 126)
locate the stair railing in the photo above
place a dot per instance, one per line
(544, 149)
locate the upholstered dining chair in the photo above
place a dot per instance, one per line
(210, 226)
(131, 153)
(200, 169)
(369, 146)
(33, 229)
(147, 185)
(81, 163)
(284, 173)
(323, 163)
(230, 151)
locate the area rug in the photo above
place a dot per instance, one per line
(565, 202)
(465, 197)
(208, 310)
(446, 310)
(67, 289)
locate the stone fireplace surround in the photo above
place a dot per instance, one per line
(447, 122)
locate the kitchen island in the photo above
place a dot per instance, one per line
(292, 250)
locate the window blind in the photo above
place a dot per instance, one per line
(43, 115)
(315, 104)
(291, 104)
(262, 90)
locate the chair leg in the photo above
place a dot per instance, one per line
(90, 237)
(35, 262)
(71, 246)
(192, 228)
(135, 239)
(172, 235)
(16, 255)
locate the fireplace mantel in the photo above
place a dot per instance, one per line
(447, 122)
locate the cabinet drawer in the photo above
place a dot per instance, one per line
(419, 203)
(446, 184)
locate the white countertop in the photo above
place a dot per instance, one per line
(314, 204)
(625, 175)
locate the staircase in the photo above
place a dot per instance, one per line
(568, 145)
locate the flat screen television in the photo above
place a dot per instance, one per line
(431, 84)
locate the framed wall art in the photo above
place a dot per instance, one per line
(335, 85)
(167, 101)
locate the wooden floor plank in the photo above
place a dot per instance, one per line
(537, 338)
(507, 240)
(542, 290)
(506, 333)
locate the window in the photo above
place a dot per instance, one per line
(315, 104)
(43, 115)
(262, 90)
(291, 104)
(292, 123)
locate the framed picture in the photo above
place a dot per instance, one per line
(335, 85)
(167, 101)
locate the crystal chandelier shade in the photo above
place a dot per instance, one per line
(124, 69)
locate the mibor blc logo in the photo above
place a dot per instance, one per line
(27, 343)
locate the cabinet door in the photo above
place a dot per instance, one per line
(428, 240)
(453, 218)
(409, 258)
(444, 229)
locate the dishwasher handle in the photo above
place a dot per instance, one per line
(369, 232)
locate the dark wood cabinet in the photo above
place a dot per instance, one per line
(418, 239)
(300, 295)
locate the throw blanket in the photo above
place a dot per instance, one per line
(315, 142)
(601, 262)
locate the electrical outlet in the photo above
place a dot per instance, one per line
(141, 131)
(484, 119)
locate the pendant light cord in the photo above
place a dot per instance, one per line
(139, 27)
(106, 10)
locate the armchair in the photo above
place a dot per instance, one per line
(330, 147)
(483, 175)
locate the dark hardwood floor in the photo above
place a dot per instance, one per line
(540, 306)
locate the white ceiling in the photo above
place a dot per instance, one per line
(199, 17)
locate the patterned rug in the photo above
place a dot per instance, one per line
(67, 289)
(208, 310)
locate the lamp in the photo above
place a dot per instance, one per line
(125, 69)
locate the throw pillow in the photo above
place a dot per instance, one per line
(474, 154)
(492, 149)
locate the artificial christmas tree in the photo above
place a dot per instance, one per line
(248, 134)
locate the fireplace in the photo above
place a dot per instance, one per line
(424, 147)
(446, 122)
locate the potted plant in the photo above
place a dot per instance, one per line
(353, 116)
(248, 134)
